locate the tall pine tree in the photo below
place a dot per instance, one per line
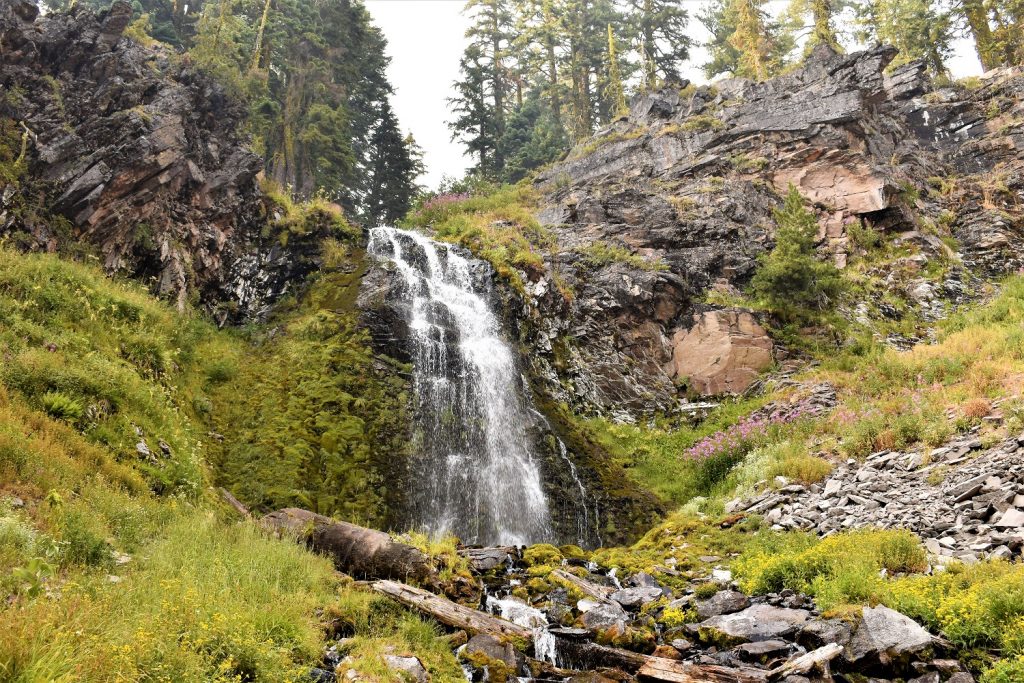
(659, 29)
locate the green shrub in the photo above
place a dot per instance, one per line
(839, 569)
(1005, 671)
(790, 280)
(62, 407)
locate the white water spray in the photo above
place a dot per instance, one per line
(473, 475)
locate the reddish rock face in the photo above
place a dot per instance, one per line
(721, 354)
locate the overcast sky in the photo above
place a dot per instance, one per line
(425, 41)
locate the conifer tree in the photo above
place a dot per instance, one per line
(659, 29)
(919, 29)
(790, 280)
(815, 18)
(393, 172)
(615, 91)
(744, 40)
(753, 40)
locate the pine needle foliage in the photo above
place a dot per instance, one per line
(791, 281)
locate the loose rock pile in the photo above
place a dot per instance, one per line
(966, 501)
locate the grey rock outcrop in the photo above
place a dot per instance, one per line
(141, 156)
(685, 185)
(965, 501)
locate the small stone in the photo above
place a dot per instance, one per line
(762, 651)
(682, 644)
(961, 677)
(666, 652)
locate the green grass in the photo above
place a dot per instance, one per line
(599, 254)
(497, 225)
(654, 455)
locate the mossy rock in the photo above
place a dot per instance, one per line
(542, 554)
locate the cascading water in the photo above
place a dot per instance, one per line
(473, 475)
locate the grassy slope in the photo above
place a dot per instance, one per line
(115, 564)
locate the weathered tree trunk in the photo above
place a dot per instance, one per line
(671, 671)
(363, 553)
(452, 613)
(584, 654)
(802, 664)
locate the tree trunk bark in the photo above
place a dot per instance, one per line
(451, 613)
(672, 671)
(363, 553)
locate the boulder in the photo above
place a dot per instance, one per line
(633, 598)
(603, 616)
(492, 648)
(755, 623)
(409, 666)
(887, 637)
(722, 602)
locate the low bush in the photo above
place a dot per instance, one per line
(837, 570)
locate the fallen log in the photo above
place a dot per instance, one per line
(451, 613)
(807, 661)
(659, 669)
(358, 551)
(235, 503)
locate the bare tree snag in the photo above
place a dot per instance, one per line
(451, 613)
(363, 553)
(234, 502)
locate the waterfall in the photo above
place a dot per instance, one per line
(473, 473)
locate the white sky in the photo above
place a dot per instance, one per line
(425, 40)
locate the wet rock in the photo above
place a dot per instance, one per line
(604, 616)
(492, 648)
(722, 602)
(634, 598)
(755, 623)
(886, 636)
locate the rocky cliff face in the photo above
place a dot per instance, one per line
(143, 157)
(684, 186)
